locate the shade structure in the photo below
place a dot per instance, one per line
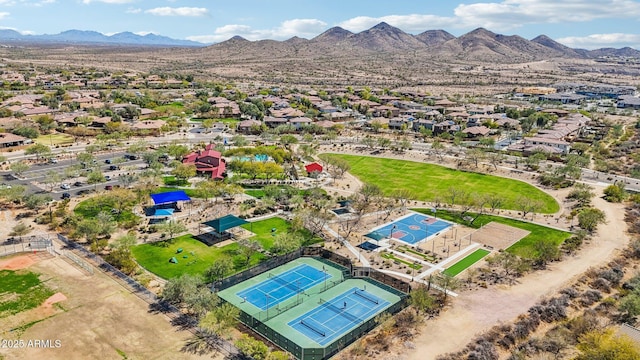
(163, 212)
(169, 197)
(225, 223)
(375, 236)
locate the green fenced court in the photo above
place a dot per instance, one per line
(311, 307)
(466, 262)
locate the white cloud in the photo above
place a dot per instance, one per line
(133, 11)
(108, 1)
(504, 15)
(4, 14)
(510, 14)
(596, 41)
(306, 28)
(409, 23)
(180, 11)
(143, 33)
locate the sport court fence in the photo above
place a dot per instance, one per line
(139, 290)
(32, 243)
(254, 322)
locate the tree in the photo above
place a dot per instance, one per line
(95, 177)
(247, 249)
(218, 269)
(446, 283)
(252, 347)
(545, 251)
(20, 229)
(36, 201)
(606, 344)
(19, 168)
(590, 218)
(52, 179)
(527, 205)
(495, 159)
(437, 147)
(39, 150)
(177, 290)
(615, 192)
(172, 227)
(475, 156)
(239, 140)
(120, 255)
(421, 300)
(533, 160)
(582, 194)
(286, 242)
(220, 320)
(184, 171)
(494, 201)
(177, 151)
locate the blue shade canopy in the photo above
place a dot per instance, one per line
(169, 197)
(163, 212)
(225, 223)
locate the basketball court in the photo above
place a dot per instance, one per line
(412, 228)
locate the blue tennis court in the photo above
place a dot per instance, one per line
(411, 228)
(331, 319)
(280, 287)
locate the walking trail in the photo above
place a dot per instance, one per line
(474, 312)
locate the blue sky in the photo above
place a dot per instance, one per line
(576, 23)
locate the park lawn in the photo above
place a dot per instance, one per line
(171, 180)
(20, 291)
(428, 181)
(524, 247)
(199, 257)
(466, 262)
(90, 208)
(265, 236)
(54, 139)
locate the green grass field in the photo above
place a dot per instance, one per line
(428, 181)
(20, 291)
(155, 256)
(54, 139)
(466, 262)
(88, 209)
(524, 247)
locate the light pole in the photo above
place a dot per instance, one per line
(391, 231)
(325, 277)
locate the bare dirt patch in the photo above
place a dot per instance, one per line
(498, 236)
(98, 320)
(17, 262)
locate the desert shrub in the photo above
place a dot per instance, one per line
(590, 296)
(601, 284)
(483, 350)
(551, 310)
(572, 293)
(613, 275)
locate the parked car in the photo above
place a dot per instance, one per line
(53, 161)
(77, 183)
(108, 161)
(114, 167)
(65, 186)
(66, 195)
(107, 177)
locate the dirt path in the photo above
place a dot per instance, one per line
(474, 312)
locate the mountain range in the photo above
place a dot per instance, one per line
(84, 37)
(478, 45)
